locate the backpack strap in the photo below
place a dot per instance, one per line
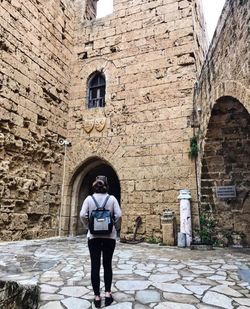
(96, 203)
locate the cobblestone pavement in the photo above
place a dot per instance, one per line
(145, 276)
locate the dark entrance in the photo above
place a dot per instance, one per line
(226, 162)
(93, 169)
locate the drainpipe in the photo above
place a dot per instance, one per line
(185, 215)
(199, 112)
(65, 143)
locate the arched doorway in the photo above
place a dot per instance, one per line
(82, 187)
(226, 162)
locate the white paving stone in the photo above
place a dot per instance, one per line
(227, 282)
(202, 267)
(160, 265)
(182, 298)
(68, 269)
(172, 305)
(32, 281)
(172, 283)
(224, 289)
(216, 299)
(219, 261)
(163, 278)
(162, 259)
(126, 305)
(142, 273)
(172, 287)
(50, 274)
(145, 267)
(123, 272)
(127, 285)
(200, 272)
(125, 266)
(216, 266)
(121, 297)
(217, 278)
(148, 296)
(243, 284)
(52, 305)
(188, 278)
(55, 283)
(131, 263)
(198, 289)
(74, 291)
(178, 266)
(167, 269)
(205, 281)
(125, 254)
(76, 303)
(234, 277)
(221, 273)
(140, 306)
(229, 267)
(46, 297)
(204, 306)
(46, 288)
(243, 301)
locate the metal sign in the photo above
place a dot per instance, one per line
(226, 192)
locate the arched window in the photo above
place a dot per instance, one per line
(96, 90)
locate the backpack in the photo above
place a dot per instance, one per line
(100, 220)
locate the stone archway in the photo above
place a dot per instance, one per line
(82, 187)
(226, 162)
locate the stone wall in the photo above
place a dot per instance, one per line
(86, 10)
(222, 104)
(200, 35)
(148, 52)
(35, 53)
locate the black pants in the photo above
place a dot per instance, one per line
(104, 247)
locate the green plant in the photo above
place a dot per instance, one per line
(237, 238)
(222, 238)
(194, 149)
(230, 237)
(207, 228)
(152, 240)
(239, 233)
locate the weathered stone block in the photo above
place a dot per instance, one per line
(153, 223)
(19, 222)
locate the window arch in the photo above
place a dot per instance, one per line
(96, 90)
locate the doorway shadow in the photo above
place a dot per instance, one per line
(82, 187)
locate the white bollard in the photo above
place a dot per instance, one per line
(185, 215)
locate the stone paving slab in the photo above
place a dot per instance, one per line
(145, 276)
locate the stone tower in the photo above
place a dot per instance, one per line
(148, 55)
(119, 88)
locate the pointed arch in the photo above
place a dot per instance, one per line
(226, 162)
(81, 187)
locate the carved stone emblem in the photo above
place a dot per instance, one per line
(88, 125)
(100, 124)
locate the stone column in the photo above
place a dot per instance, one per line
(185, 215)
(168, 227)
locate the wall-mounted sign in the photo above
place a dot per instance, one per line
(226, 192)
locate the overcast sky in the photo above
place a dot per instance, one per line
(211, 8)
